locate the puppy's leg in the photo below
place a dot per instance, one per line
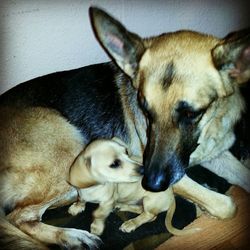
(129, 208)
(216, 204)
(152, 205)
(28, 219)
(130, 225)
(100, 215)
(230, 168)
(77, 207)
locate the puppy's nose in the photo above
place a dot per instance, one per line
(140, 170)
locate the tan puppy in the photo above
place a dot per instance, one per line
(105, 174)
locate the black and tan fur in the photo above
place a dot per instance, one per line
(183, 101)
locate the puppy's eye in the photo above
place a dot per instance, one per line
(116, 164)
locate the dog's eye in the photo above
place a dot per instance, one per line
(143, 102)
(187, 115)
(191, 114)
(116, 164)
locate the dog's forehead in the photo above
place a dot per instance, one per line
(179, 66)
(184, 51)
(181, 42)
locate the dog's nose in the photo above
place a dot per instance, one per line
(156, 182)
(162, 172)
(159, 180)
(140, 170)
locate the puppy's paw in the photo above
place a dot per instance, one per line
(97, 227)
(76, 208)
(128, 226)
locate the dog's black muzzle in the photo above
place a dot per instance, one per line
(140, 170)
(159, 175)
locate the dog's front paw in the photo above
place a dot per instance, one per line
(76, 208)
(224, 207)
(97, 227)
(128, 226)
(79, 239)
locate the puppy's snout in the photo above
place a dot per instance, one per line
(140, 170)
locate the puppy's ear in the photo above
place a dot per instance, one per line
(123, 144)
(119, 141)
(232, 57)
(124, 47)
(80, 175)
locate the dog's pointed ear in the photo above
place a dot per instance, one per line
(124, 47)
(232, 57)
(80, 175)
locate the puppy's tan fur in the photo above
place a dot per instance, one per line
(118, 187)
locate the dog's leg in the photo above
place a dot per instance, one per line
(28, 219)
(130, 225)
(129, 208)
(77, 207)
(231, 169)
(100, 215)
(216, 204)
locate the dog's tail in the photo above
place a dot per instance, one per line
(170, 227)
(11, 238)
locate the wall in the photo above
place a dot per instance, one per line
(41, 36)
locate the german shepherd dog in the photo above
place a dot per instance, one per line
(175, 97)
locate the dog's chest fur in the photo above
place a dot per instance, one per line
(241, 147)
